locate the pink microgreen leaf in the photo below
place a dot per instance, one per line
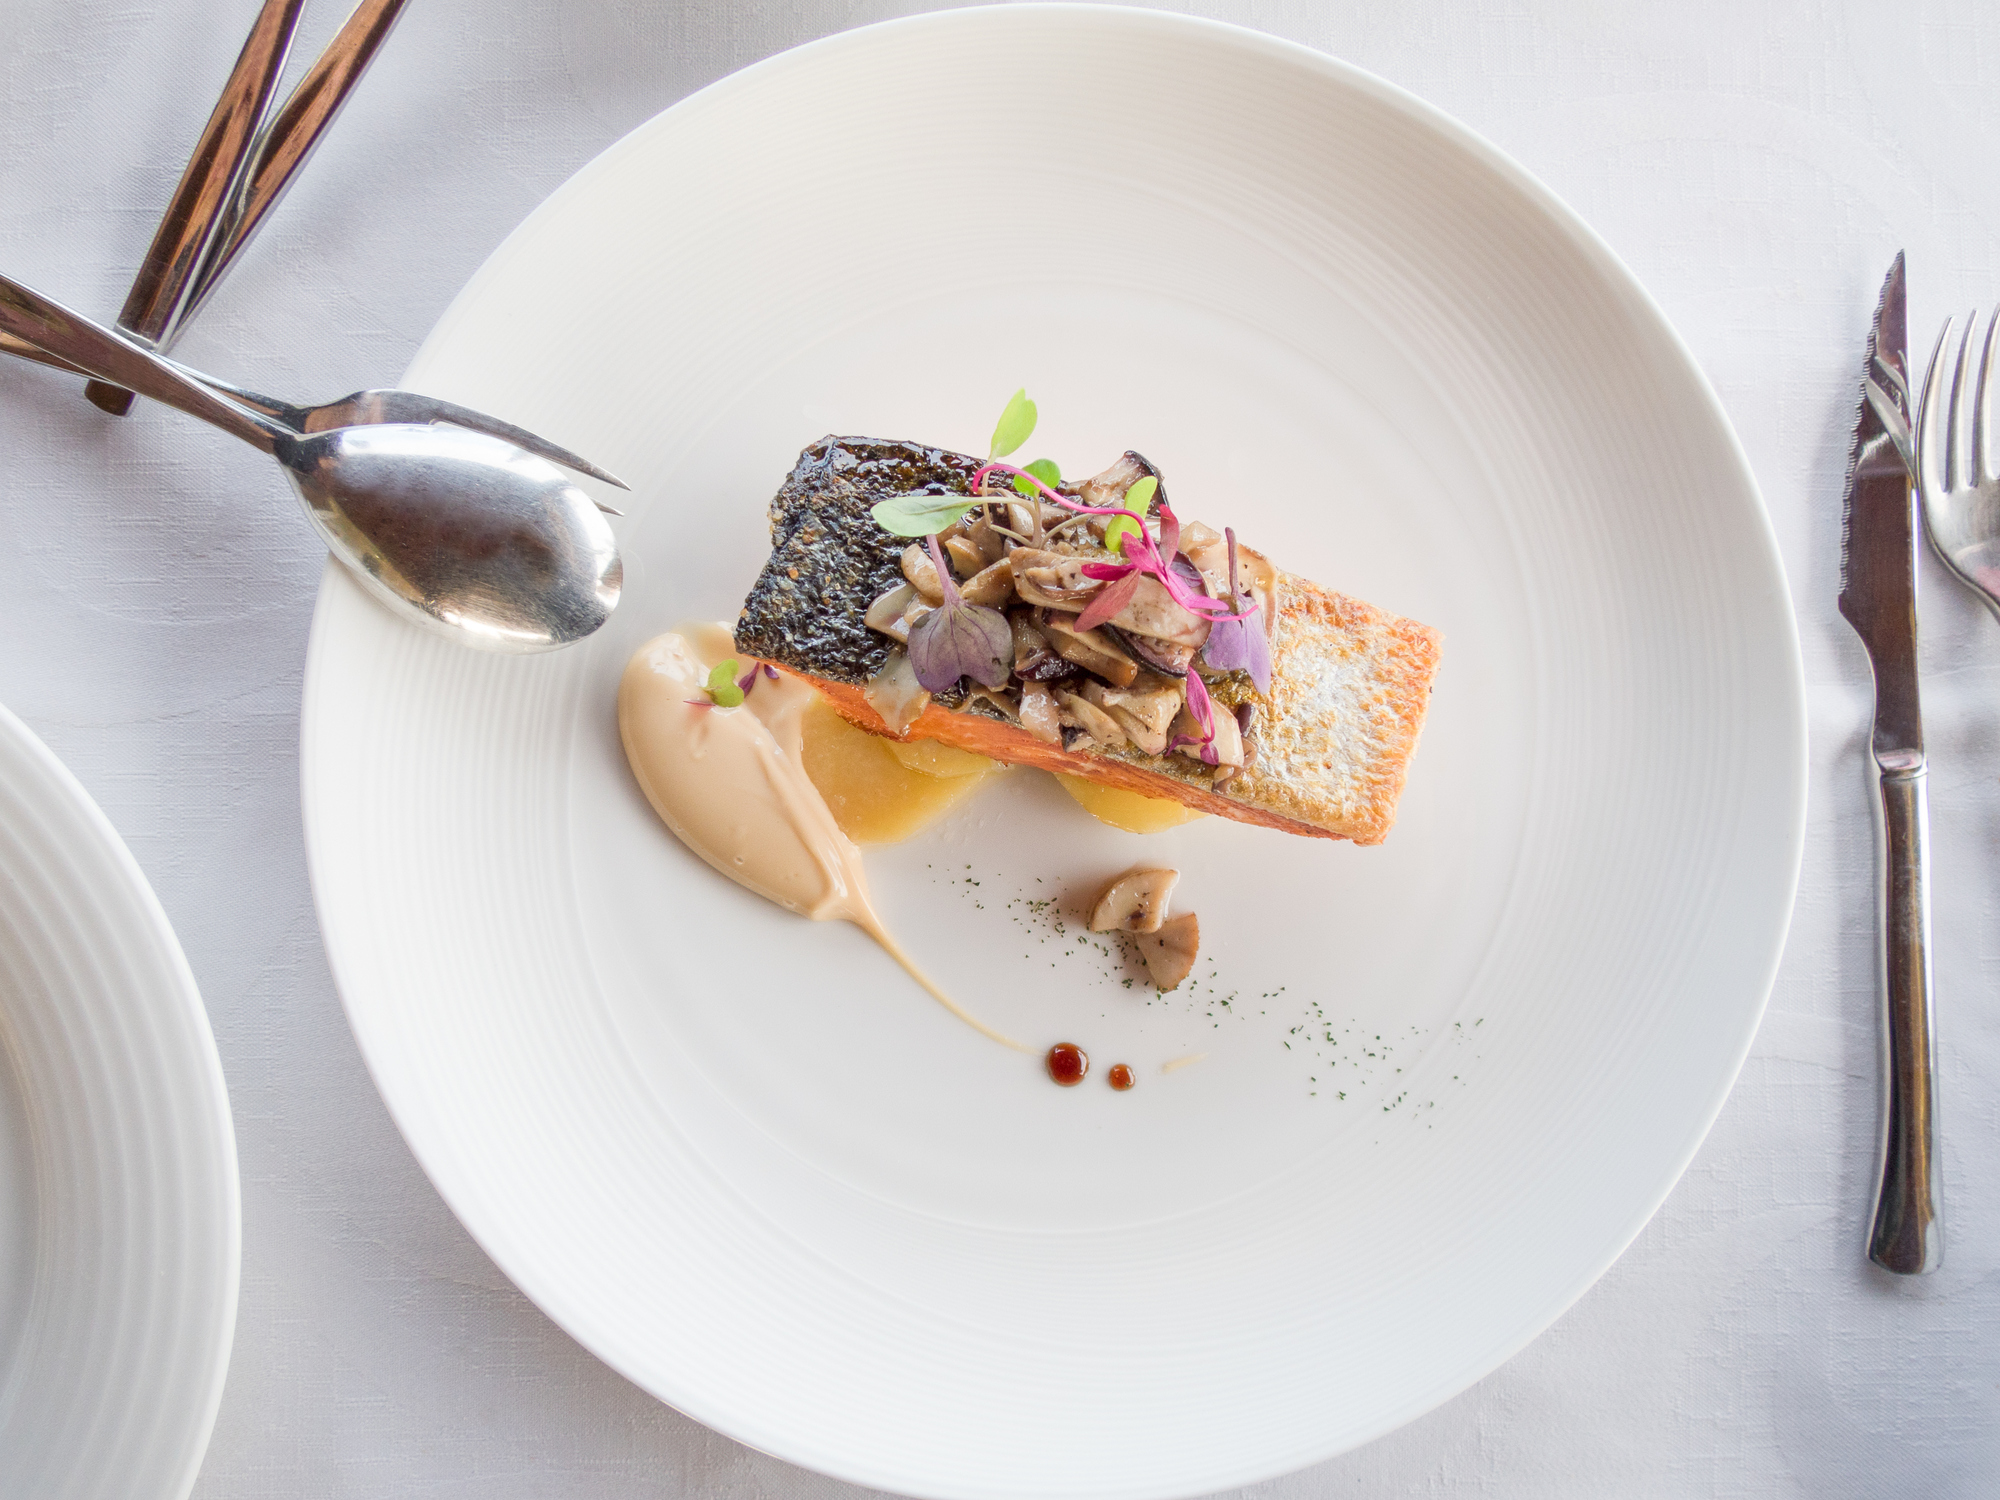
(1110, 599)
(1108, 572)
(1203, 710)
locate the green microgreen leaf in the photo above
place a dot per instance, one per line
(1016, 423)
(721, 687)
(1138, 499)
(920, 515)
(1043, 469)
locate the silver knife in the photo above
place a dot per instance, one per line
(1878, 595)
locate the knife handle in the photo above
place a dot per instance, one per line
(1906, 1236)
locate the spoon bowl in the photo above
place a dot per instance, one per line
(461, 532)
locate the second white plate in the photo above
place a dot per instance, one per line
(1442, 1082)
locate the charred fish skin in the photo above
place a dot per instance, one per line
(829, 560)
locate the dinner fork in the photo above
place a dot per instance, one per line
(1954, 467)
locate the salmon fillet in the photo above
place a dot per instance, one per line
(1334, 735)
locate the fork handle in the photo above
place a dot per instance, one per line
(1906, 1236)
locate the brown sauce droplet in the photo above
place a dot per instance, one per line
(1068, 1064)
(1120, 1077)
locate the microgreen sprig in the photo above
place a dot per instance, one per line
(725, 689)
(928, 514)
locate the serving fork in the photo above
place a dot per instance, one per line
(1954, 468)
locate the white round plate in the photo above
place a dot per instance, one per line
(1441, 1083)
(120, 1225)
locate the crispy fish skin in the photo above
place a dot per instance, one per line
(829, 560)
(1349, 690)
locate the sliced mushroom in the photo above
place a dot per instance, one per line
(1091, 719)
(895, 694)
(1135, 902)
(992, 586)
(1000, 701)
(1039, 714)
(888, 609)
(1090, 649)
(1151, 653)
(1052, 579)
(1109, 487)
(1208, 550)
(922, 572)
(1169, 952)
(966, 557)
(1152, 611)
(1144, 713)
(1246, 721)
(1228, 740)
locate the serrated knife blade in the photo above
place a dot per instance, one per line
(1878, 597)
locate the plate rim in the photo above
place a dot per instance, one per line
(1554, 212)
(131, 901)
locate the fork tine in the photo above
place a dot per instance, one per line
(1981, 472)
(1928, 477)
(1955, 421)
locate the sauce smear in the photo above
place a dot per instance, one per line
(731, 785)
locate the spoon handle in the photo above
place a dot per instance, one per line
(90, 346)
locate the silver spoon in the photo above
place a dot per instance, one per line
(371, 408)
(456, 530)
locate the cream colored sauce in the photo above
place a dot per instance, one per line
(731, 785)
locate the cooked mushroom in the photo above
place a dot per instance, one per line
(1169, 953)
(895, 694)
(888, 608)
(1208, 550)
(1109, 487)
(966, 557)
(1089, 649)
(922, 572)
(1144, 711)
(1091, 719)
(1135, 902)
(1228, 739)
(1051, 578)
(1152, 611)
(1153, 654)
(992, 586)
(1039, 715)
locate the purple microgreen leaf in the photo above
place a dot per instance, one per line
(920, 515)
(1237, 643)
(700, 703)
(1016, 425)
(1042, 471)
(961, 640)
(770, 671)
(1109, 600)
(1107, 571)
(747, 681)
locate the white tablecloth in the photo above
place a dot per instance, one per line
(1756, 163)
